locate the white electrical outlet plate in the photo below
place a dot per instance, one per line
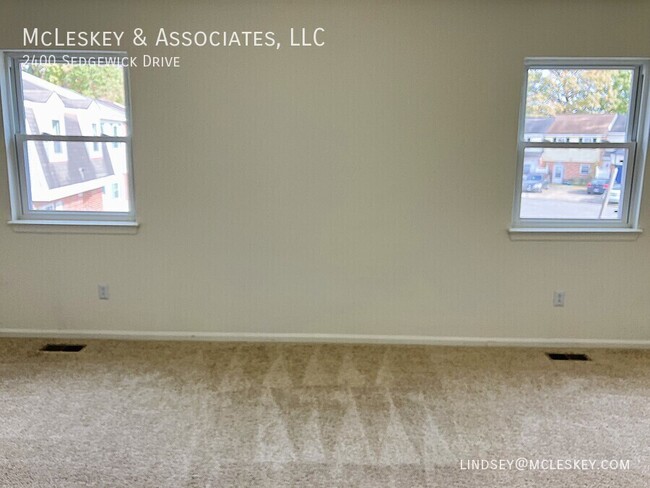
(102, 292)
(558, 299)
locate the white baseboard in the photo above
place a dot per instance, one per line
(323, 338)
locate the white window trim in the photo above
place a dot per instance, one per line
(637, 135)
(98, 149)
(15, 134)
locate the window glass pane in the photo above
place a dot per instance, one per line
(81, 98)
(78, 178)
(578, 105)
(573, 183)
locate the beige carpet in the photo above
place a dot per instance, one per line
(152, 414)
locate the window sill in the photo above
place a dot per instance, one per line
(573, 234)
(79, 227)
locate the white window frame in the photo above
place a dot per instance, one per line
(636, 143)
(96, 146)
(16, 135)
(56, 129)
(588, 169)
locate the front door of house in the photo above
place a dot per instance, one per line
(558, 173)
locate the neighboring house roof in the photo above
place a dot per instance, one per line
(33, 88)
(620, 123)
(581, 124)
(80, 165)
(110, 105)
(76, 103)
(37, 96)
(537, 125)
(70, 98)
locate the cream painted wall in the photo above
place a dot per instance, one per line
(361, 188)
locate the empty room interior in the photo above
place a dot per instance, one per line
(300, 243)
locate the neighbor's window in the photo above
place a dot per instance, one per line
(59, 160)
(95, 133)
(56, 130)
(582, 144)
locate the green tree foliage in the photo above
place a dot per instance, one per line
(103, 82)
(578, 91)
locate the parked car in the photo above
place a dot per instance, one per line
(597, 187)
(534, 183)
(615, 194)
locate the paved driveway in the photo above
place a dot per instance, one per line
(563, 201)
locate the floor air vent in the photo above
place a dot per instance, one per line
(560, 356)
(63, 347)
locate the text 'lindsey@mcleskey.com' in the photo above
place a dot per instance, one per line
(526, 464)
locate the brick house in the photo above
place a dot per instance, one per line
(574, 165)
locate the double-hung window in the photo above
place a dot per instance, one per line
(583, 133)
(60, 163)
